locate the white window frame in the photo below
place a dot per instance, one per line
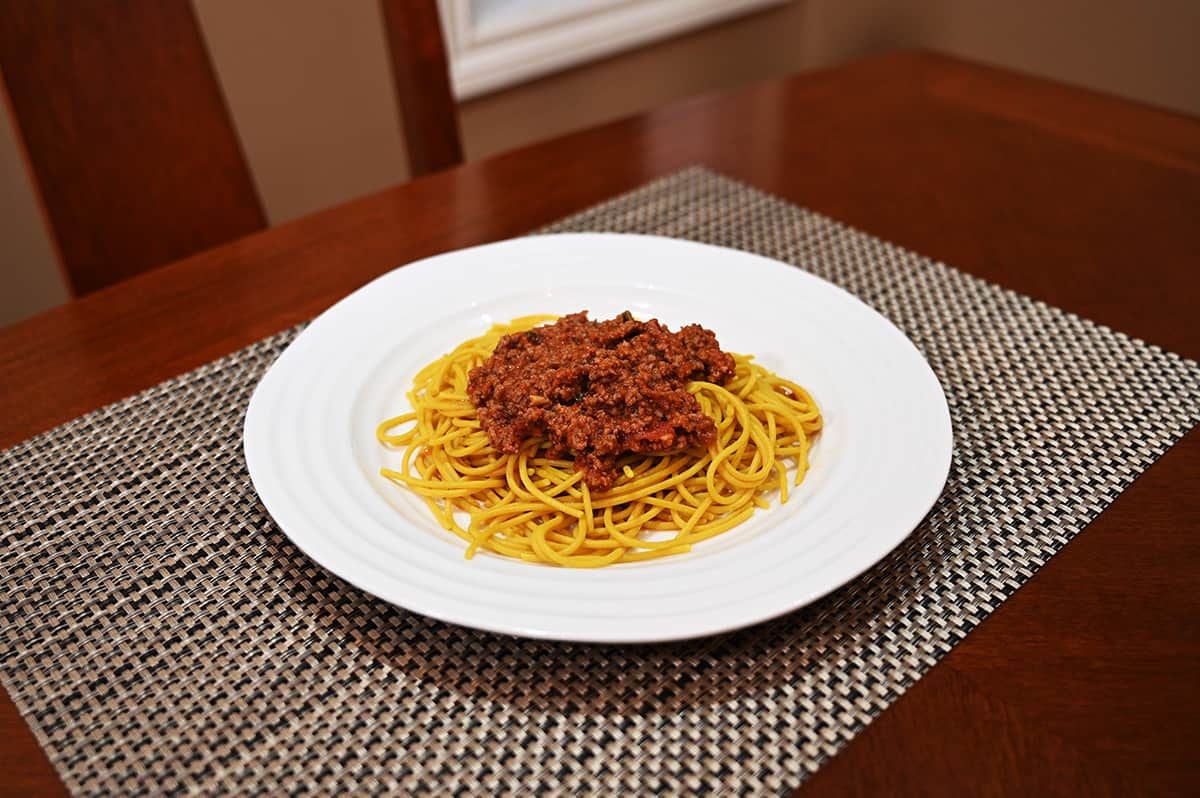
(511, 51)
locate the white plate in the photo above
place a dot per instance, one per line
(877, 467)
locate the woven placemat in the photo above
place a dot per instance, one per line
(162, 636)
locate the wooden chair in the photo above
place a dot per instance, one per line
(129, 140)
(422, 80)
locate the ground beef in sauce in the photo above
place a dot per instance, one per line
(598, 389)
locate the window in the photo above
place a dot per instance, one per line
(498, 43)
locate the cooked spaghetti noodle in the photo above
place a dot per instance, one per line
(539, 509)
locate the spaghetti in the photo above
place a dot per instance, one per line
(538, 508)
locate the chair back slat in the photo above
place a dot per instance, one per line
(421, 75)
(126, 133)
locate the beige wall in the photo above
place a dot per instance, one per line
(1142, 49)
(760, 46)
(29, 276)
(317, 118)
(312, 99)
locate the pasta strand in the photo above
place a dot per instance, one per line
(538, 509)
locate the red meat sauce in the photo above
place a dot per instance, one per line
(596, 390)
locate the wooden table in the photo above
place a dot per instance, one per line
(1088, 679)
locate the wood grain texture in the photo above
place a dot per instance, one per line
(132, 149)
(1085, 681)
(421, 74)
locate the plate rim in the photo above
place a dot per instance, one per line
(320, 556)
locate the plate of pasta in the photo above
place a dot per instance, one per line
(599, 438)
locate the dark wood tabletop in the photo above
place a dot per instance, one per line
(1086, 681)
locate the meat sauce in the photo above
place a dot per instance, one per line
(596, 390)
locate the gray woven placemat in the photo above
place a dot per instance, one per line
(161, 636)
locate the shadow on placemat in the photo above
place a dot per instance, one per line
(660, 677)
